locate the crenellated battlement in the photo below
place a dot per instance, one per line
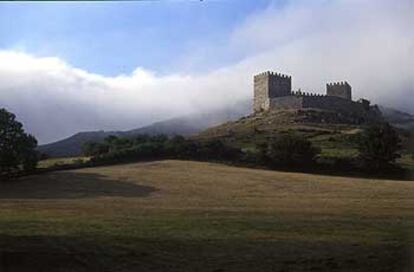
(273, 74)
(340, 83)
(339, 89)
(310, 94)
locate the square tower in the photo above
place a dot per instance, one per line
(270, 85)
(339, 89)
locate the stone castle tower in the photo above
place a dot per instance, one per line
(273, 91)
(270, 85)
(339, 89)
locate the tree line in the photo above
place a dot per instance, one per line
(378, 146)
(144, 147)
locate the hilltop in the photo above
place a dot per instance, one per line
(333, 132)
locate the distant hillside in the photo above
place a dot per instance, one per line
(186, 125)
(194, 124)
(398, 118)
(72, 146)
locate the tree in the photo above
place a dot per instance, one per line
(17, 149)
(94, 148)
(378, 146)
(290, 151)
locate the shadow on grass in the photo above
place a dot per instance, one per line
(48, 253)
(70, 185)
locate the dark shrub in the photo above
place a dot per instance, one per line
(17, 149)
(290, 150)
(177, 146)
(217, 150)
(95, 148)
(378, 146)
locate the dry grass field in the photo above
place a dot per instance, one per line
(194, 216)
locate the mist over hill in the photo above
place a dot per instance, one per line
(185, 125)
(398, 118)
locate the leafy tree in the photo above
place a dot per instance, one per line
(117, 143)
(111, 139)
(411, 144)
(140, 139)
(161, 138)
(378, 146)
(17, 149)
(216, 149)
(94, 148)
(290, 151)
(176, 146)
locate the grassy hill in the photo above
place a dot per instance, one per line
(334, 137)
(193, 216)
(330, 131)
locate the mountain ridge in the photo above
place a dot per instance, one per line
(185, 125)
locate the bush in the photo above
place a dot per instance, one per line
(116, 149)
(378, 146)
(338, 163)
(94, 148)
(411, 144)
(17, 149)
(290, 150)
(217, 150)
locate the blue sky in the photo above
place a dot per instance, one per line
(111, 38)
(68, 67)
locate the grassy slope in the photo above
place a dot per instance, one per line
(248, 131)
(193, 216)
(47, 163)
(335, 140)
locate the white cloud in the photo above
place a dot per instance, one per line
(55, 100)
(368, 43)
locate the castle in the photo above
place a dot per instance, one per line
(273, 91)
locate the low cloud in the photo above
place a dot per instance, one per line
(368, 43)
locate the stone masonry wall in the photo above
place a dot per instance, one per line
(333, 103)
(269, 85)
(339, 89)
(286, 102)
(261, 86)
(350, 108)
(279, 85)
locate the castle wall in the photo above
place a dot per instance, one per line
(286, 102)
(339, 89)
(333, 103)
(345, 106)
(279, 85)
